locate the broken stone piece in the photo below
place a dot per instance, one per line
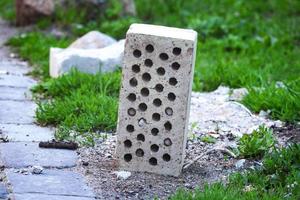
(93, 40)
(122, 174)
(91, 61)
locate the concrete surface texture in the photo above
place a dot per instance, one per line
(155, 98)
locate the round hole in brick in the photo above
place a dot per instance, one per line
(157, 102)
(131, 97)
(159, 87)
(145, 92)
(133, 82)
(177, 51)
(140, 137)
(131, 111)
(168, 126)
(166, 157)
(146, 77)
(153, 161)
(136, 68)
(128, 157)
(130, 128)
(154, 131)
(139, 153)
(156, 116)
(143, 106)
(175, 65)
(149, 48)
(171, 96)
(163, 56)
(169, 111)
(148, 63)
(137, 53)
(154, 147)
(173, 81)
(127, 143)
(167, 142)
(161, 71)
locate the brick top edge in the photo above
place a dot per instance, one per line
(163, 31)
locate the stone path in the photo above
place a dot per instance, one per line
(19, 150)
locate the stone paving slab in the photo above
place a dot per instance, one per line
(16, 81)
(3, 191)
(50, 182)
(25, 154)
(26, 132)
(17, 112)
(15, 94)
(13, 67)
(48, 197)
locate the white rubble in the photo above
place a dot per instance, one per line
(122, 174)
(93, 40)
(91, 61)
(215, 112)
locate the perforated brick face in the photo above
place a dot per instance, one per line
(154, 98)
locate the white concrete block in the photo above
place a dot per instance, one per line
(91, 61)
(155, 98)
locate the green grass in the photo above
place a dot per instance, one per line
(7, 10)
(256, 144)
(79, 104)
(35, 47)
(278, 179)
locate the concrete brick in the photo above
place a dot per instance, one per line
(155, 98)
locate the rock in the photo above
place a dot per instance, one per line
(28, 11)
(240, 163)
(238, 94)
(122, 174)
(90, 61)
(37, 170)
(264, 114)
(93, 40)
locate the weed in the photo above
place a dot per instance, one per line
(208, 139)
(256, 144)
(278, 179)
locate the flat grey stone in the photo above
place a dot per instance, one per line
(17, 112)
(48, 197)
(16, 81)
(51, 182)
(15, 94)
(26, 132)
(13, 67)
(25, 154)
(3, 191)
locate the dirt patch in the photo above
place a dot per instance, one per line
(99, 166)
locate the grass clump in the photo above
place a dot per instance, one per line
(279, 178)
(34, 47)
(7, 10)
(256, 144)
(282, 101)
(79, 104)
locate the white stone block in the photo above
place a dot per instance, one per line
(91, 61)
(155, 98)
